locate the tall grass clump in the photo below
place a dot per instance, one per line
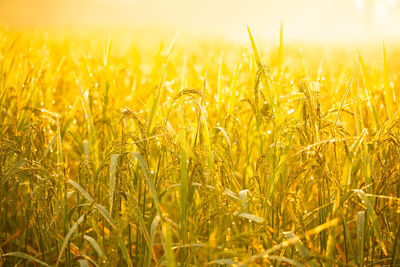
(212, 153)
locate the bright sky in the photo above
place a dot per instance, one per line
(315, 19)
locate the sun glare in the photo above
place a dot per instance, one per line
(359, 5)
(325, 20)
(381, 10)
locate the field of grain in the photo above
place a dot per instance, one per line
(194, 152)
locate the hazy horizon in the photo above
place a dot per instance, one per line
(323, 20)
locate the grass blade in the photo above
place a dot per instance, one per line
(225, 134)
(343, 101)
(184, 178)
(160, 87)
(142, 227)
(113, 168)
(168, 245)
(251, 217)
(103, 211)
(81, 190)
(94, 244)
(153, 229)
(124, 250)
(255, 49)
(304, 252)
(144, 168)
(68, 236)
(388, 91)
(372, 216)
(367, 84)
(25, 256)
(360, 236)
(91, 127)
(257, 58)
(287, 260)
(232, 93)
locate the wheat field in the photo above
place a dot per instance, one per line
(195, 152)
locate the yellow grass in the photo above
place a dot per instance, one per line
(117, 150)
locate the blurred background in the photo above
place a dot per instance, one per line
(303, 19)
